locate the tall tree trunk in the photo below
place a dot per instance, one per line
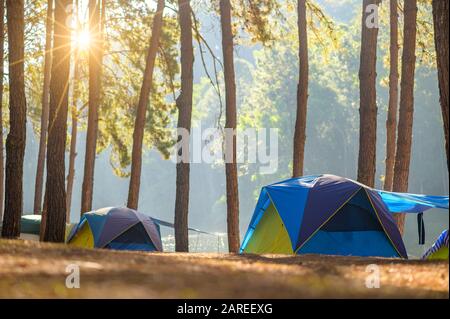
(302, 91)
(405, 123)
(138, 134)
(184, 104)
(230, 124)
(73, 138)
(74, 115)
(391, 122)
(95, 65)
(15, 142)
(39, 182)
(2, 73)
(440, 18)
(368, 95)
(55, 189)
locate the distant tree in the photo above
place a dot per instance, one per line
(2, 73)
(440, 19)
(391, 122)
(405, 124)
(302, 91)
(55, 190)
(39, 182)
(368, 95)
(138, 134)
(73, 134)
(122, 81)
(75, 113)
(95, 68)
(230, 123)
(15, 142)
(184, 105)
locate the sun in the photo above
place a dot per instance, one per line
(83, 39)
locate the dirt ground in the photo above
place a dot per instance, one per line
(36, 270)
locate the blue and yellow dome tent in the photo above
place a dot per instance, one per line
(328, 214)
(117, 228)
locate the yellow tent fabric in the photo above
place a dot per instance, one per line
(69, 228)
(83, 237)
(441, 254)
(270, 236)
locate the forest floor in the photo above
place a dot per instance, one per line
(38, 270)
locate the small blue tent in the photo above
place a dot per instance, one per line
(328, 214)
(118, 228)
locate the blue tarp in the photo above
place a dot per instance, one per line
(412, 203)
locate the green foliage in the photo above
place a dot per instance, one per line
(425, 50)
(259, 19)
(127, 38)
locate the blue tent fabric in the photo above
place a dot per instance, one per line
(334, 243)
(96, 223)
(285, 200)
(136, 238)
(336, 191)
(282, 195)
(387, 221)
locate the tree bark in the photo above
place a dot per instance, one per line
(138, 134)
(2, 73)
(302, 91)
(230, 124)
(440, 19)
(368, 103)
(57, 130)
(405, 123)
(39, 182)
(391, 122)
(95, 65)
(16, 140)
(184, 104)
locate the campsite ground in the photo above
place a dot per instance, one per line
(36, 270)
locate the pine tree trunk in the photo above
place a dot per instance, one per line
(73, 138)
(2, 73)
(405, 123)
(57, 130)
(95, 65)
(230, 123)
(184, 104)
(302, 92)
(391, 122)
(368, 103)
(16, 140)
(440, 18)
(138, 134)
(39, 182)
